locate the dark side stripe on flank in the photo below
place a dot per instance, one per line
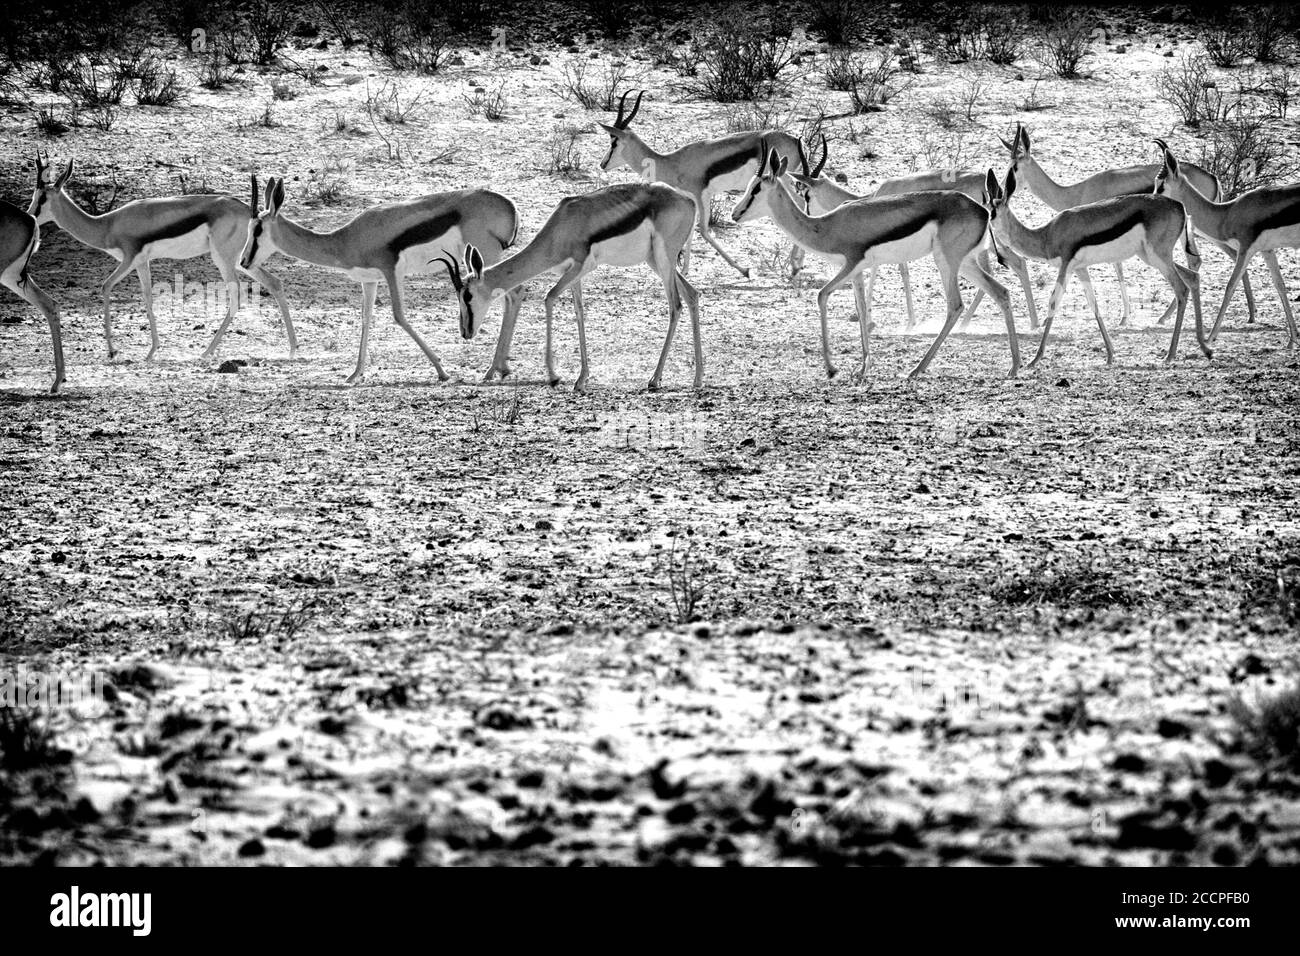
(728, 164)
(175, 229)
(623, 225)
(908, 227)
(1110, 233)
(1287, 215)
(424, 231)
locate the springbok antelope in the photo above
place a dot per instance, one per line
(20, 237)
(1107, 184)
(821, 194)
(388, 242)
(1258, 221)
(616, 226)
(701, 169)
(175, 227)
(869, 232)
(1112, 230)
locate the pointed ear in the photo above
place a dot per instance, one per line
(474, 260)
(1010, 186)
(1171, 163)
(64, 176)
(781, 167)
(1024, 139)
(266, 192)
(277, 197)
(1009, 146)
(990, 188)
(772, 163)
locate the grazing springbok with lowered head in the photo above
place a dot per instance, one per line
(20, 237)
(822, 194)
(173, 227)
(386, 243)
(867, 233)
(616, 226)
(1143, 226)
(701, 169)
(1259, 221)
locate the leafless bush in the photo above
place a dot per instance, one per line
(156, 85)
(684, 582)
(341, 18)
(1226, 39)
(26, 741)
(490, 104)
(1065, 40)
(1188, 88)
(876, 81)
(1005, 29)
(1276, 87)
(841, 22)
(1032, 104)
(102, 116)
(562, 155)
(745, 55)
(594, 90)
(1246, 153)
(1269, 730)
(1270, 30)
(216, 69)
(327, 185)
(269, 23)
(392, 103)
(54, 120)
(409, 35)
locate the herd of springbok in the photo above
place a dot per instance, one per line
(961, 219)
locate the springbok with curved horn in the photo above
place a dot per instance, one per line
(616, 226)
(175, 227)
(1146, 226)
(701, 169)
(822, 194)
(386, 243)
(1259, 221)
(20, 236)
(866, 233)
(1107, 184)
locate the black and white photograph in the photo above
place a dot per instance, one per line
(642, 433)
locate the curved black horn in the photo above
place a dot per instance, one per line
(453, 270)
(1164, 147)
(622, 102)
(826, 151)
(635, 106)
(253, 205)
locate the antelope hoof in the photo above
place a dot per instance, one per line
(355, 378)
(653, 386)
(442, 376)
(553, 381)
(1015, 370)
(699, 382)
(113, 355)
(831, 371)
(580, 387)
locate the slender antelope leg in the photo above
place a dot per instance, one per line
(273, 285)
(1169, 269)
(1270, 257)
(1123, 293)
(702, 205)
(570, 275)
(975, 301)
(1250, 299)
(33, 293)
(871, 284)
(1090, 295)
(823, 298)
(952, 294)
(1238, 270)
(394, 283)
(514, 299)
(580, 313)
(1020, 266)
(368, 291)
(668, 276)
(106, 290)
(1053, 303)
(906, 275)
(692, 297)
(143, 272)
(864, 327)
(230, 277)
(985, 282)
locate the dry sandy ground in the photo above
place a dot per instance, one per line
(957, 620)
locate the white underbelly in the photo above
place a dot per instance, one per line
(192, 244)
(918, 244)
(629, 249)
(1288, 237)
(1116, 250)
